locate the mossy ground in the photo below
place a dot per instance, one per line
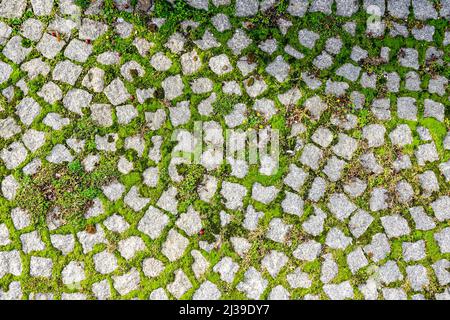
(71, 188)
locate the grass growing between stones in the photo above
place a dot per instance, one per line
(67, 190)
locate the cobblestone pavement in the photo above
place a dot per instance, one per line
(108, 191)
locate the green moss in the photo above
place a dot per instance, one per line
(68, 188)
(72, 189)
(84, 4)
(192, 177)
